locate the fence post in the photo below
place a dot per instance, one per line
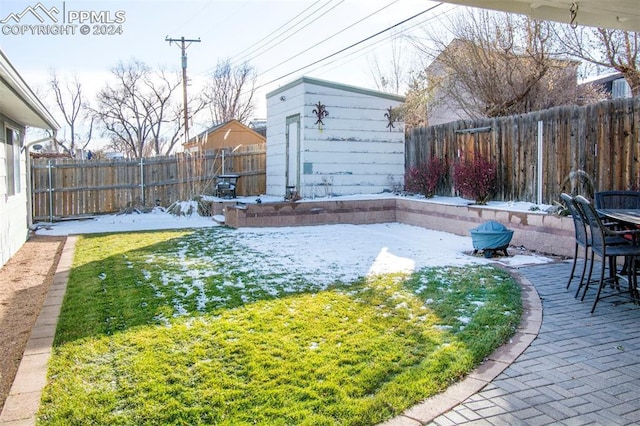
(539, 167)
(142, 181)
(50, 188)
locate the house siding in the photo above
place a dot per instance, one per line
(13, 208)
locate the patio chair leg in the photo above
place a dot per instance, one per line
(633, 281)
(573, 268)
(584, 267)
(586, 284)
(613, 273)
(600, 285)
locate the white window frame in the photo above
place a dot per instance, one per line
(12, 160)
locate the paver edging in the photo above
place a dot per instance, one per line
(501, 358)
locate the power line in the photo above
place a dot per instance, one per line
(278, 42)
(275, 31)
(363, 51)
(366, 49)
(331, 36)
(350, 46)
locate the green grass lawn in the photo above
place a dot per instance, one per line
(170, 327)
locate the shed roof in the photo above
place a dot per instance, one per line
(18, 102)
(338, 86)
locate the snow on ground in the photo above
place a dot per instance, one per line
(347, 250)
(157, 219)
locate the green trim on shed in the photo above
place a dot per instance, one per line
(338, 86)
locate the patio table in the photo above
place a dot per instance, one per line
(630, 218)
(626, 216)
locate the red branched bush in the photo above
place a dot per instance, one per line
(475, 178)
(425, 178)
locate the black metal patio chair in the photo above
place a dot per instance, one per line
(581, 238)
(608, 253)
(617, 200)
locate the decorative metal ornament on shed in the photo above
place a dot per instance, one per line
(321, 112)
(391, 117)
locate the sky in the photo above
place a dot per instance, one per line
(280, 38)
(329, 252)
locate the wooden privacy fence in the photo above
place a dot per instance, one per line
(71, 188)
(542, 154)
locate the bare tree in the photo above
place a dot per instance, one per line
(392, 77)
(138, 110)
(415, 110)
(167, 116)
(229, 92)
(75, 110)
(499, 64)
(608, 48)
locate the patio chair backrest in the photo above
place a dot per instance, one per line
(578, 220)
(617, 200)
(597, 234)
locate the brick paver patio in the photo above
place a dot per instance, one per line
(581, 369)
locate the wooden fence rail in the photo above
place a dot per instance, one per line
(541, 154)
(71, 188)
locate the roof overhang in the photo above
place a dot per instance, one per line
(18, 102)
(614, 14)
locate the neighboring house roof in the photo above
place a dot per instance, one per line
(218, 127)
(18, 102)
(460, 44)
(338, 86)
(256, 123)
(614, 84)
(603, 79)
(445, 107)
(211, 137)
(202, 135)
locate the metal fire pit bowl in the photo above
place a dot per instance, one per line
(489, 237)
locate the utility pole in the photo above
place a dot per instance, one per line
(184, 43)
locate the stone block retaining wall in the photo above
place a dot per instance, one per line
(535, 231)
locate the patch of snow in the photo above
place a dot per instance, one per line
(464, 320)
(328, 253)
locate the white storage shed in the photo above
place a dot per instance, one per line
(326, 138)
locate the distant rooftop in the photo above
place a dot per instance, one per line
(602, 78)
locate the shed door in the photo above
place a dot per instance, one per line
(292, 173)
